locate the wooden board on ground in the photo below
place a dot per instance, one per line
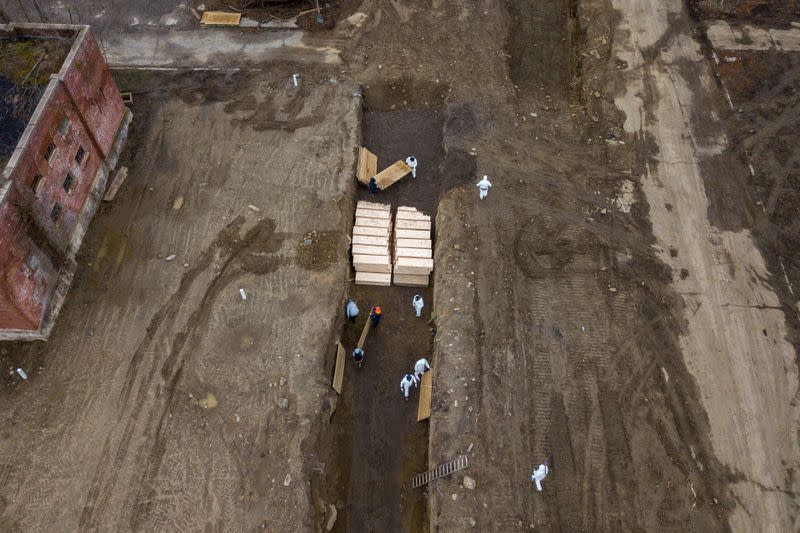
(116, 182)
(371, 240)
(424, 253)
(373, 278)
(413, 243)
(373, 263)
(392, 174)
(365, 249)
(338, 373)
(404, 223)
(221, 18)
(365, 331)
(367, 166)
(411, 280)
(425, 394)
(370, 232)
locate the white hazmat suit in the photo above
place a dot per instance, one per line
(483, 187)
(407, 382)
(539, 474)
(420, 367)
(411, 161)
(418, 304)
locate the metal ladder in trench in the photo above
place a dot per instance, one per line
(459, 463)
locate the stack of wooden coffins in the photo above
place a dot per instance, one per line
(413, 254)
(371, 254)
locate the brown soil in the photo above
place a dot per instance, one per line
(559, 330)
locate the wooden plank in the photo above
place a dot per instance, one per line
(373, 278)
(373, 213)
(220, 18)
(371, 240)
(373, 263)
(372, 205)
(408, 215)
(365, 249)
(413, 265)
(373, 222)
(338, 373)
(116, 182)
(365, 331)
(413, 243)
(407, 208)
(403, 223)
(411, 280)
(367, 166)
(392, 174)
(412, 234)
(415, 261)
(371, 232)
(425, 253)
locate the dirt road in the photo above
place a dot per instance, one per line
(735, 345)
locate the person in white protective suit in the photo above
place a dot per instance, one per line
(405, 385)
(418, 304)
(420, 367)
(483, 187)
(539, 474)
(411, 161)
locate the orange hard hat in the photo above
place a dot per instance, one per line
(378, 310)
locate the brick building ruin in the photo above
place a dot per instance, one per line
(71, 124)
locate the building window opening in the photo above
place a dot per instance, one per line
(63, 128)
(69, 182)
(55, 213)
(50, 155)
(37, 183)
(80, 156)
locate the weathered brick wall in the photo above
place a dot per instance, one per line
(95, 93)
(27, 275)
(51, 190)
(81, 111)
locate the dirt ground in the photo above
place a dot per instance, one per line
(617, 305)
(164, 400)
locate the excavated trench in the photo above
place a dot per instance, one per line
(376, 444)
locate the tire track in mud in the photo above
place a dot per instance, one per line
(253, 253)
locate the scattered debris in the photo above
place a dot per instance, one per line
(178, 203)
(209, 402)
(243, 294)
(253, 208)
(469, 483)
(287, 480)
(170, 257)
(22, 373)
(283, 403)
(331, 518)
